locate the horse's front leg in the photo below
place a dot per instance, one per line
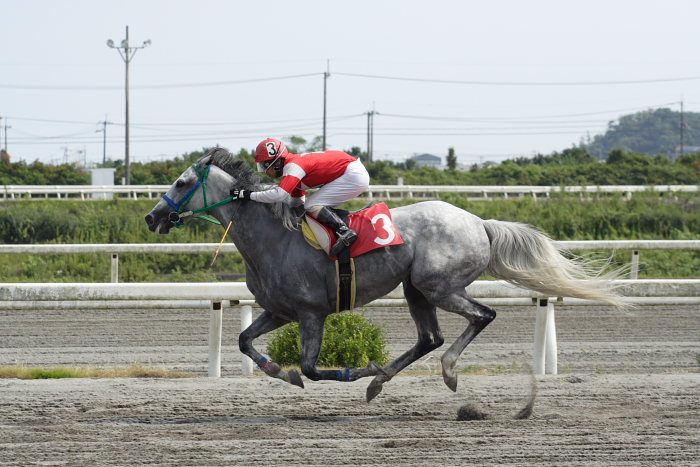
(263, 324)
(311, 331)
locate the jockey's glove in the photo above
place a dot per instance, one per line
(240, 194)
(298, 211)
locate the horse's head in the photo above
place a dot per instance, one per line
(199, 190)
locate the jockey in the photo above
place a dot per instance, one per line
(340, 177)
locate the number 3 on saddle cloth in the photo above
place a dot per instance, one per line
(374, 230)
(373, 226)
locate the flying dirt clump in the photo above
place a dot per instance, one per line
(470, 412)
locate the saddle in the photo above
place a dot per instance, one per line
(374, 230)
(373, 225)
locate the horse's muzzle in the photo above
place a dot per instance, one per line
(157, 223)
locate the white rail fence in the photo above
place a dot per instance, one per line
(220, 294)
(216, 296)
(379, 192)
(115, 249)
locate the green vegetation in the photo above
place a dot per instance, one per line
(653, 131)
(36, 173)
(350, 340)
(132, 371)
(573, 166)
(565, 217)
(117, 221)
(514, 368)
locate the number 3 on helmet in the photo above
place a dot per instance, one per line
(268, 152)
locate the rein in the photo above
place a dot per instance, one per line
(177, 216)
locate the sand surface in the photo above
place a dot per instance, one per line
(628, 393)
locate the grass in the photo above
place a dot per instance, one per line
(132, 371)
(514, 368)
(121, 221)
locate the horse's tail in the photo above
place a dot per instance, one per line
(524, 256)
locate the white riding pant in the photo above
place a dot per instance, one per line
(350, 185)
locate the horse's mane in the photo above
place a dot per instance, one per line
(246, 179)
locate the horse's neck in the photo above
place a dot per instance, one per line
(258, 235)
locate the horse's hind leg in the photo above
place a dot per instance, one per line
(478, 315)
(429, 338)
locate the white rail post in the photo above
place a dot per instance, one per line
(550, 360)
(544, 355)
(215, 319)
(246, 320)
(634, 269)
(539, 350)
(115, 268)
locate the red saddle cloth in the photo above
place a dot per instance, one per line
(374, 228)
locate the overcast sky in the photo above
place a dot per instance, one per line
(493, 79)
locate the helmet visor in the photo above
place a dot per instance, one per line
(263, 166)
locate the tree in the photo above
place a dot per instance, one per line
(298, 145)
(357, 153)
(654, 131)
(451, 159)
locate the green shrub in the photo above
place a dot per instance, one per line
(349, 340)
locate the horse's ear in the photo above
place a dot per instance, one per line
(205, 161)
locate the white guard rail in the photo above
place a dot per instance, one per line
(646, 291)
(115, 249)
(375, 192)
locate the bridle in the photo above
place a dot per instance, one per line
(177, 216)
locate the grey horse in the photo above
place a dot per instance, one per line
(445, 249)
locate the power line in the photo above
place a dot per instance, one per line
(525, 118)
(175, 124)
(519, 83)
(41, 87)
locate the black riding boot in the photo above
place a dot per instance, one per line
(346, 236)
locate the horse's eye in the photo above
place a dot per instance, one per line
(179, 183)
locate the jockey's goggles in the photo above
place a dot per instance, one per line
(263, 166)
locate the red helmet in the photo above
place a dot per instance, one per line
(268, 152)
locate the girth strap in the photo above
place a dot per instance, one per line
(345, 268)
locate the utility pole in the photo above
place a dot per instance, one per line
(370, 135)
(103, 130)
(326, 75)
(682, 129)
(127, 53)
(6, 126)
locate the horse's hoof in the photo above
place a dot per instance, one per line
(450, 380)
(375, 387)
(373, 390)
(295, 378)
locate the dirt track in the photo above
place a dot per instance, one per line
(629, 394)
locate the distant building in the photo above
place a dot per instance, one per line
(427, 160)
(102, 177)
(686, 150)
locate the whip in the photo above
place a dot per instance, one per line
(220, 243)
